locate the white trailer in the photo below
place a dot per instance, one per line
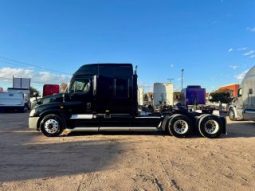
(163, 94)
(243, 107)
(140, 94)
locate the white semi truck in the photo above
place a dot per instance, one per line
(243, 107)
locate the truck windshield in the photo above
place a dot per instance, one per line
(80, 85)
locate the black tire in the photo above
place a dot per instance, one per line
(180, 126)
(21, 109)
(231, 115)
(210, 126)
(27, 106)
(52, 125)
(166, 126)
(196, 131)
(198, 118)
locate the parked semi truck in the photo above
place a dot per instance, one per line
(193, 95)
(243, 106)
(50, 89)
(103, 97)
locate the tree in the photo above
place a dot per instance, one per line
(177, 96)
(63, 87)
(32, 91)
(223, 96)
(145, 97)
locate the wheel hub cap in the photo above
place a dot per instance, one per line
(231, 114)
(181, 127)
(211, 126)
(51, 126)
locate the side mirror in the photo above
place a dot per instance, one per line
(95, 79)
(35, 94)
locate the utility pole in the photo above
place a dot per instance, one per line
(182, 71)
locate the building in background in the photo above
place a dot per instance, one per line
(163, 94)
(232, 88)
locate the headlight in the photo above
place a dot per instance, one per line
(32, 113)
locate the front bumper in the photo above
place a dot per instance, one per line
(32, 122)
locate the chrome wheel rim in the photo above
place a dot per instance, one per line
(211, 127)
(51, 126)
(181, 126)
(231, 114)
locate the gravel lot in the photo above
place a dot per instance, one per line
(124, 161)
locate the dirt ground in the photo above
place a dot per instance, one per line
(129, 161)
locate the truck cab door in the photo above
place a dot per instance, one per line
(82, 104)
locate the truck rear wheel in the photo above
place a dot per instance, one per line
(52, 125)
(210, 126)
(179, 126)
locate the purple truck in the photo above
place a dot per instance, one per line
(193, 95)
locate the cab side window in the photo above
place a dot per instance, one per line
(81, 85)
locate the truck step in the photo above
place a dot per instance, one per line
(96, 129)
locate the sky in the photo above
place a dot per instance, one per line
(48, 40)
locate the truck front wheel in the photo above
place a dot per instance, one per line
(210, 126)
(52, 125)
(180, 126)
(231, 115)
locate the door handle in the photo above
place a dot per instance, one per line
(88, 105)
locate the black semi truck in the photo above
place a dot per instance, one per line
(103, 97)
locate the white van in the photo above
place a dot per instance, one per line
(243, 107)
(10, 100)
(26, 93)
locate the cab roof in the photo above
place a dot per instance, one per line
(125, 69)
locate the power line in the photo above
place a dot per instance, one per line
(17, 62)
(5, 78)
(8, 63)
